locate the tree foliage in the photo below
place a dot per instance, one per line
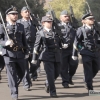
(35, 5)
(79, 7)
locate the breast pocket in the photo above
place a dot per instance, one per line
(11, 34)
(19, 35)
(49, 41)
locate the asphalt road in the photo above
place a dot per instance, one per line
(37, 92)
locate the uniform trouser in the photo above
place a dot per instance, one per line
(33, 68)
(14, 67)
(34, 73)
(52, 70)
(26, 79)
(91, 67)
(68, 68)
(2, 64)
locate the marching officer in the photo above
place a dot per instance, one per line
(50, 54)
(69, 65)
(88, 37)
(30, 33)
(14, 50)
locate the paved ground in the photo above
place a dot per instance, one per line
(76, 92)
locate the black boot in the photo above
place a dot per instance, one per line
(70, 81)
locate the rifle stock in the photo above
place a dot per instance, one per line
(56, 26)
(74, 21)
(96, 25)
(33, 18)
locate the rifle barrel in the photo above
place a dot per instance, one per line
(4, 25)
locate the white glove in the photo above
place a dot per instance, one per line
(34, 61)
(1, 53)
(9, 42)
(26, 56)
(74, 57)
(64, 46)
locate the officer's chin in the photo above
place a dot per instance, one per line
(67, 21)
(14, 20)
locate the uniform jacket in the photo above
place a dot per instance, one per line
(88, 39)
(69, 36)
(51, 46)
(17, 36)
(30, 30)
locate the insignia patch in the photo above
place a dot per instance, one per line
(14, 9)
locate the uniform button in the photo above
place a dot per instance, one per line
(15, 37)
(56, 44)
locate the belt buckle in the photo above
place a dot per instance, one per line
(15, 48)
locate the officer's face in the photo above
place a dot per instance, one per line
(13, 17)
(25, 14)
(89, 21)
(65, 18)
(47, 24)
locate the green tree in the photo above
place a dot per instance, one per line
(35, 5)
(79, 7)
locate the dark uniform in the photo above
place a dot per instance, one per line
(30, 33)
(50, 55)
(14, 56)
(69, 65)
(88, 38)
(2, 63)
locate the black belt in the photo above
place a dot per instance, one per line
(53, 50)
(16, 48)
(93, 50)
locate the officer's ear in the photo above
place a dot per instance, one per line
(43, 23)
(21, 13)
(61, 17)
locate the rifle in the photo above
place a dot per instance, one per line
(14, 45)
(96, 25)
(4, 26)
(33, 19)
(74, 21)
(56, 25)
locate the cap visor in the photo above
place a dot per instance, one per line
(13, 12)
(89, 17)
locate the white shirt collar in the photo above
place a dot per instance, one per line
(90, 27)
(47, 29)
(10, 23)
(26, 20)
(63, 23)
